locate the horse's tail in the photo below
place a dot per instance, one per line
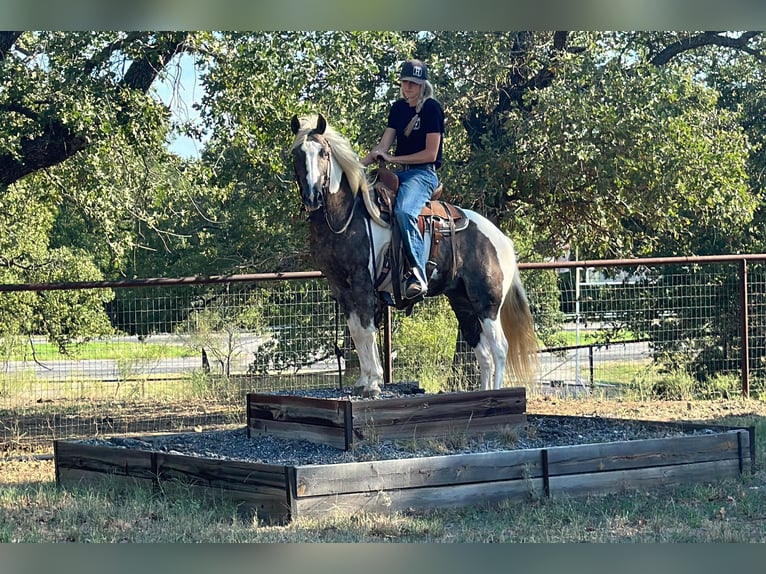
(519, 329)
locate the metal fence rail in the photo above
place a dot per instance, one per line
(182, 353)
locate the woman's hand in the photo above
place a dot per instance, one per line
(385, 157)
(375, 156)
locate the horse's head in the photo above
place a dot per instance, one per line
(315, 169)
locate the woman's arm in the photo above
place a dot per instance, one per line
(386, 141)
(427, 155)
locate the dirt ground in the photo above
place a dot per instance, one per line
(713, 411)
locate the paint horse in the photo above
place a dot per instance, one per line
(476, 269)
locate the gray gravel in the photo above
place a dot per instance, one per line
(540, 432)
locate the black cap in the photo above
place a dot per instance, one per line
(414, 71)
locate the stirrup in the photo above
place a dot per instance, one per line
(415, 285)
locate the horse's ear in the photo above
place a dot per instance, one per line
(295, 124)
(321, 124)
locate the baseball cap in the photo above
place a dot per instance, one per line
(414, 71)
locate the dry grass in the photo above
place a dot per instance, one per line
(713, 411)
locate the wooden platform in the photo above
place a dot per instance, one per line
(342, 422)
(280, 493)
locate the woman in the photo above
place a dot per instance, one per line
(416, 124)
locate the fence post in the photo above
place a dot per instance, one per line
(743, 329)
(388, 362)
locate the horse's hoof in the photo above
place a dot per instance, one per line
(372, 393)
(358, 391)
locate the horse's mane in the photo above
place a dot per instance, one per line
(344, 154)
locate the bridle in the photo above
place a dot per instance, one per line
(325, 189)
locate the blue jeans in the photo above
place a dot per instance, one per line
(415, 188)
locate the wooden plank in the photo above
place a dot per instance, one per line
(446, 406)
(258, 488)
(477, 467)
(450, 496)
(230, 474)
(499, 395)
(335, 437)
(641, 478)
(599, 457)
(439, 428)
(355, 477)
(74, 477)
(78, 464)
(682, 426)
(288, 408)
(104, 459)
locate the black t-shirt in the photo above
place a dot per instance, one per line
(431, 121)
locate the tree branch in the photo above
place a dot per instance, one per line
(52, 147)
(107, 51)
(143, 72)
(477, 123)
(19, 109)
(708, 39)
(7, 40)
(58, 142)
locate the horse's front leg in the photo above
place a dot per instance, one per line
(366, 345)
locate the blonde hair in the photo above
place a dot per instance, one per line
(426, 92)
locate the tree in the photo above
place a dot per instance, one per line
(614, 142)
(62, 92)
(624, 143)
(82, 164)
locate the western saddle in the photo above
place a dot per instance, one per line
(438, 217)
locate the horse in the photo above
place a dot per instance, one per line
(476, 269)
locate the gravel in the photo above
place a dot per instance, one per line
(541, 431)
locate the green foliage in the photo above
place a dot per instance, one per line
(637, 161)
(585, 138)
(676, 385)
(215, 388)
(225, 326)
(424, 344)
(66, 317)
(301, 340)
(720, 386)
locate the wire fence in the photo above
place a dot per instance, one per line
(175, 355)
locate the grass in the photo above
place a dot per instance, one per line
(24, 392)
(569, 338)
(105, 349)
(35, 510)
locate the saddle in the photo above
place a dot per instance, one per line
(438, 217)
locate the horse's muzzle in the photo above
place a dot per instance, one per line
(312, 200)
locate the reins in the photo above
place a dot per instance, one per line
(343, 229)
(326, 190)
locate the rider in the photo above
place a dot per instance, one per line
(416, 123)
